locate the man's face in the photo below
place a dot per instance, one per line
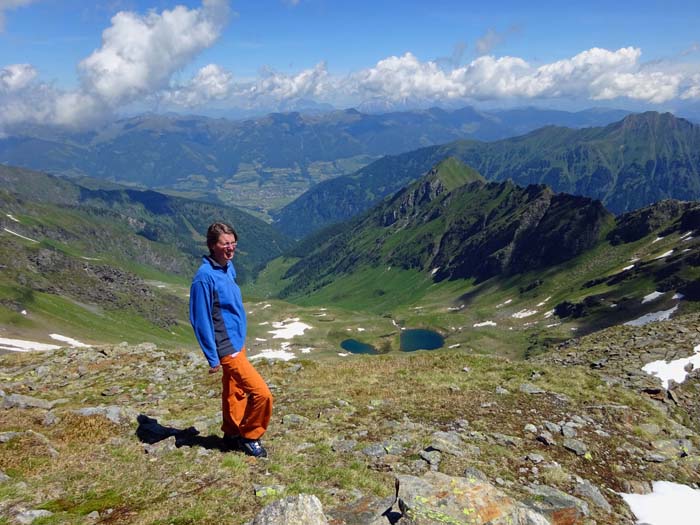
(224, 248)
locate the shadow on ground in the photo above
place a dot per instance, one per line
(151, 432)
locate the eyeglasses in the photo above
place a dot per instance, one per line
(228, 244)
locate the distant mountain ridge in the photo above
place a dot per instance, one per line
(626, 165)
(260, 163)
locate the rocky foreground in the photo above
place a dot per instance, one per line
(129, 434)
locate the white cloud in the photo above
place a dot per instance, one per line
(16, 77)
(138, 57)
(139, 54)
(277, 86)
(6, 5)
(210, 83)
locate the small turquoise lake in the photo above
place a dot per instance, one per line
(420, 339)
(356, 347)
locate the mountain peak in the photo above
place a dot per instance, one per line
(453, 173)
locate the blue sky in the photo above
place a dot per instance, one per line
(71, 61)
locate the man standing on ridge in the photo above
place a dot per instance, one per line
(219, 322)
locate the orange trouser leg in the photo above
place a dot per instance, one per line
(246, 401)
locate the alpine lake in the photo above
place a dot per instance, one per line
(410, 341)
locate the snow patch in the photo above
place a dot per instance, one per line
(20, 345)
(549, 314)
(13, 218)
(673, 369)
(688, 234)
(266, 306)
(306, 350)
(360, 329)
(656, 240)
(668, 504)
(71, 342)
(282, 355)
(260, 339)
(663, 315)
(678, 296)
(485, 323)
(543, 302)
(666, 254)
(456, 345)
(342, 354)
(523, 313)
(20, 236)
(627, 268)
(507, 301)
(434, 270)
(650, 297)
(288, 328)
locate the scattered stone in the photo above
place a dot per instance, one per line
(546, 438)
(294, 510)
(633, 486)
(655, 457)
(432, 457)
(344, 445)
(447, 442)
(501, 391)
(294, 420)
(535, 458)
(160, 447)
(589, 491)
(115, 414)
(576, 446)
(532, 429)
(559, 507)
(528, 388)
(113, 390)
(568, 431)
(50, 419)
(650, 428)
(28, 516)
(507, 441)
(4, 477)
(439, 498)
(552, 427)
(8, 436)
(21, 401)
(365, 510)
(93, 516)
(374, 451)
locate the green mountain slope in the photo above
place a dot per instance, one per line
(531, 263)
(626, 165)
(168, 221)
(455, 225)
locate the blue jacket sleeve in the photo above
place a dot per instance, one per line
(200, 317)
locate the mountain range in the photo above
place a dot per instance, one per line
(626, 165)
(263, 163)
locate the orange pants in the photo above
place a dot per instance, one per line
(246, 401)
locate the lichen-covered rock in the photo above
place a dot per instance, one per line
(439, 498)
(304, 509)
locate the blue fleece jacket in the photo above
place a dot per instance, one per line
(216, 310)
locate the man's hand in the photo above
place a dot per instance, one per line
(214, 369)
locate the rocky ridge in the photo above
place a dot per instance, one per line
(129, 434)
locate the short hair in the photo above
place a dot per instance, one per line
(216, 230)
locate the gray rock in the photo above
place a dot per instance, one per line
(576, 446)
(568, 431)
(501, 391)
(552, 427)
(437, 498)
(535, 458)
(532, 429)
(589, 491)
(507, 441)
(28, 516)
(21, 401)
(365, 510)
(655, 457)
(295, 510)
(528, 388)
(4, 477)
(294, 420)
(650, 428)
(50, 419)
(8, 436)
(115, 414)
(432, 457)
(374, 451)
(546, 438)
(447, 442)
(344, 445)
(552, 502)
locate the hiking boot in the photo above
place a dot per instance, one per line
(253, 447)
(232, 442)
